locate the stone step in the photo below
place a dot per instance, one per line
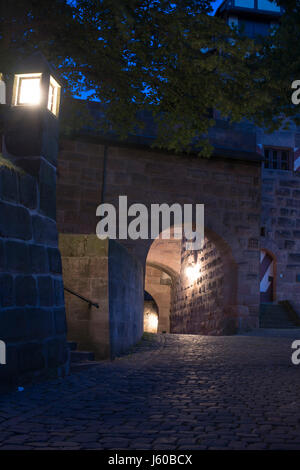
(277, 322)
(82, 356)
(82, 366)
(275, 316)
(72, 345)
(271, 308)
(276, 319)
(281, 326)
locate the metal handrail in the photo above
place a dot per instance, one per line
(81, 297)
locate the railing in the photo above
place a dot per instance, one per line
(81, 297)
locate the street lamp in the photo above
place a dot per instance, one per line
(31, 124)
(36, 89)
(34, 84)
(27, 89)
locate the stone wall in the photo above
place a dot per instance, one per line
(126, 298)
(281, 222)
(80, 173)
(85, 271)
(228, 187)
(106, 274)
(32, 312)
(200, 301)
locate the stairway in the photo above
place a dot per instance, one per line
(80, 360)
(275, 316)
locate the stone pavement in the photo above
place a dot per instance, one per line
(171, 392)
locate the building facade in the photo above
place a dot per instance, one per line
(279, 241)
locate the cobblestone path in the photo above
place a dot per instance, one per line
(171, 392)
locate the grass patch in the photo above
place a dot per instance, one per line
(8, 164)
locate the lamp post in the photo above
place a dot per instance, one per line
(36, 89)
(31, 124)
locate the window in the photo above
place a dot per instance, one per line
(27, 89)
(252, 243)
(278, 159)
(244, 3)
(53, 97)
(267, 5)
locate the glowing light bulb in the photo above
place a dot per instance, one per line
(192, 272)
(30, 91)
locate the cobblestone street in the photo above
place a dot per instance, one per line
(171, 392)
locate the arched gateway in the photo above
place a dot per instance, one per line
(222, 297)
(197, 290)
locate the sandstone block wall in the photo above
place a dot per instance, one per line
(229, 189)
(199, 301)
(281, 221)
(126, 298)
(32, 312)
(105, 273)
(80, 172)
(85, 271)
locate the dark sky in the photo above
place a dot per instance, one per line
(216, 4)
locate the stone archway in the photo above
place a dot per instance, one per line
(202, 294)
(161, 273)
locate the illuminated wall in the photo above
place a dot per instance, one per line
(203, 300)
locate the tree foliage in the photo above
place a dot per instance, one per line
(279, 62)
(171, 58)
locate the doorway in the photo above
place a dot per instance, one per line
(267, 271)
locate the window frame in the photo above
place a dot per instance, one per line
(280, 150)
(257, 9)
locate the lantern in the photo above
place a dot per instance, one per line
(31, 122)
(36, 86)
